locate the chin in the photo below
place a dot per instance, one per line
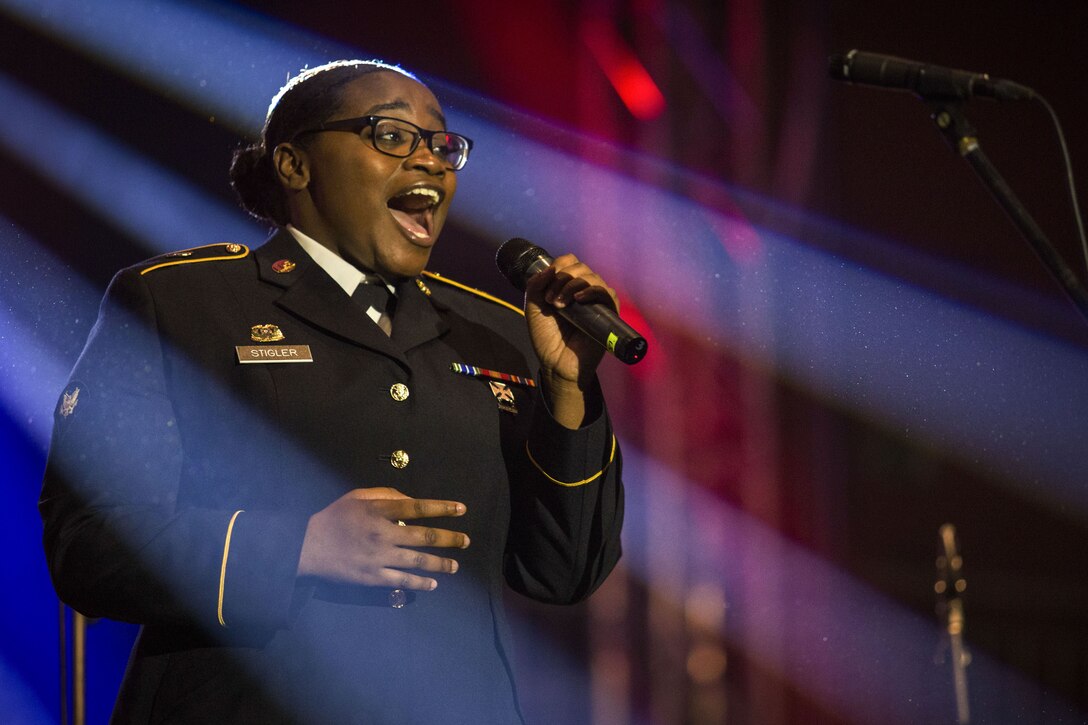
(407, 265)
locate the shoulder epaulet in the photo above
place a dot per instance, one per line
(206, 253)
(436, 277)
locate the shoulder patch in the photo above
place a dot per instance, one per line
(435, 277)
(68, 401)
(206, 253)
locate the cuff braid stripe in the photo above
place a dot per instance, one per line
(223, 567)
(572, 484)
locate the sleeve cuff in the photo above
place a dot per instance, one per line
(567, 457)
(258, 569)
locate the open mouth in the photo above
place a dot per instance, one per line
(414, 209)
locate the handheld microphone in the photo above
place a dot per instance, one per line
(928, 81)
(519, 259)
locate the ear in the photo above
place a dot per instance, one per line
(291, 166)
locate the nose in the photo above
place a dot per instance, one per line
(424, 159)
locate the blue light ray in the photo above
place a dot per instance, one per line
(38, 300)
(16, 702)
(83, 473)
(150, 203)
(935, 371)
(984, 391)
(855, 651)
(209, 55)
(41, 332)
(29, 611)
(36, 293)
(929, 369)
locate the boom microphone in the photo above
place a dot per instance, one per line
(928, 81)
(519, 259)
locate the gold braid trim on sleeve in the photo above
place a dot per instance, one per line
(572, 484)
(223, 567)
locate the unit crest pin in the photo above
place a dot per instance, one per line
(265, 333)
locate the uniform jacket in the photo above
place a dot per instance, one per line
(180, 482)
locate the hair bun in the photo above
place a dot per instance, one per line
(255, 185)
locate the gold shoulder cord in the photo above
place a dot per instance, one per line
(190, 256)
(472, 290)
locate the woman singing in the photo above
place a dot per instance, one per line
(307, 469)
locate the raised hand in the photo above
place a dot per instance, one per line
(568, 358)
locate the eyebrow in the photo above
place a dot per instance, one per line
(400, 105)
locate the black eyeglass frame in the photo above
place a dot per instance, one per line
(356, 125)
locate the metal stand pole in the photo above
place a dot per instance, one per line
(62, 630)
(79, 668)
(957, 130)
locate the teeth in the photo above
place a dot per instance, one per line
(422, 191)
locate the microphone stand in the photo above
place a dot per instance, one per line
(950, 587)
(79, 666)
(962, 137)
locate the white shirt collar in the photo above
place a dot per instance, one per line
(344, 273)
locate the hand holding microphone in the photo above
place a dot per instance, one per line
(520, 261)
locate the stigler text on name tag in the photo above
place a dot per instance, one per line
(273, 353)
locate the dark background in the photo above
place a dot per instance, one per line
(857, 174)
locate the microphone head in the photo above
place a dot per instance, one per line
(515, 257)
(837, 67)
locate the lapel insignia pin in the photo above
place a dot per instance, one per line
(283, 266)
(504, 395)
(68, 403)
(423, 287)
(265, 333)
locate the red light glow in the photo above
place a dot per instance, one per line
(624, 71)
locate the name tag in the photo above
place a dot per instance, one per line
(273, 353)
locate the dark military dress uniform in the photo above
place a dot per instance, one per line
(181, 479)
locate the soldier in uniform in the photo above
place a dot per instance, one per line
(308, 469)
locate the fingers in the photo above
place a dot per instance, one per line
(362, 538)
(429, 537)
(422, 561)
(369, 494)
(567, 280)
(396, 579)
(415, 508)
(400, 542)
(399, 560)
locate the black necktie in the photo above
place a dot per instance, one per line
(375, 296)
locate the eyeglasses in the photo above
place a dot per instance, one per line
(399, 138)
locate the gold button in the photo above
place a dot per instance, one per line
(398, 598)
(399, 392)
(399, 459)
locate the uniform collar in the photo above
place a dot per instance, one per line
(343, 272)
(311, 293)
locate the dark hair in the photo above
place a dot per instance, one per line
(305, 101)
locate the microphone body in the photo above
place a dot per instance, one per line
(928, 81)
(519, 259)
